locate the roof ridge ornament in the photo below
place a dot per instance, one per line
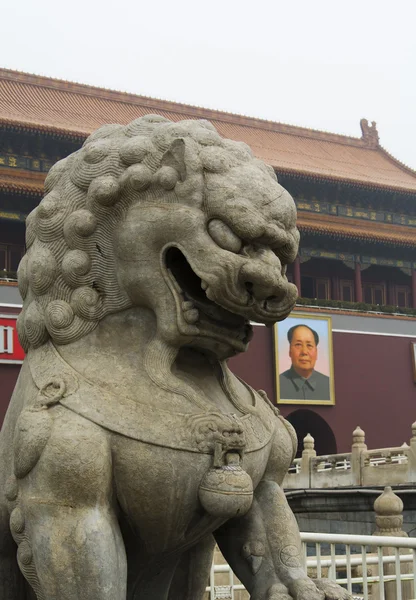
(369, 133)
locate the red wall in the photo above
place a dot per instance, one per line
(8, 378)
(374, 386)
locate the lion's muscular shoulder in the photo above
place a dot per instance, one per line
(284, 448)
(294, 438)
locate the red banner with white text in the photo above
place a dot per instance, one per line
(10, 349)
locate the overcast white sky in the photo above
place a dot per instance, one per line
(315, 63)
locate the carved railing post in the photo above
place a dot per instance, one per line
(308, 452)
(389, 522)
(358, 446)
(389, 514)
(412, 456)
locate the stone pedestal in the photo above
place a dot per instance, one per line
(389, 520)
(358, 446)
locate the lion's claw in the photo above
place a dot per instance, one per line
(332, 590)
(305, 589)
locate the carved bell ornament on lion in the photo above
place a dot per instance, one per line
(226, 490)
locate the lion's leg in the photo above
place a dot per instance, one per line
(264, 550)
(73, 553)
(12, 584)
(70, 545)
(192, 573)
(243, 543)
(284, 541)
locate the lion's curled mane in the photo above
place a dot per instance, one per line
(67, 277)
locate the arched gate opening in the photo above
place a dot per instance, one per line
(306, 421)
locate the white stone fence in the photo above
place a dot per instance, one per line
(381, 566)
(360, 467)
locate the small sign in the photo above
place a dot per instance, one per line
(223, 591)
(10, 349)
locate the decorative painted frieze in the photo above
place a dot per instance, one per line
(340, 210)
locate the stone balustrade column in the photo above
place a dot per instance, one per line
(308, 452)
(389, 522)
(413, 438)
(358, 446)
(389, 518)
(358, 289)
(412, 456)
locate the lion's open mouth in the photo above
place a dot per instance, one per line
(197, 307)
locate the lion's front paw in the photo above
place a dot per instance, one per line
(332, 590)
(305, 589)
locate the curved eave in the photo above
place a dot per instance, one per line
(79, 135)
(301, 174)
(22, 182)
(397, 162)
(36, 128)
(355, 229)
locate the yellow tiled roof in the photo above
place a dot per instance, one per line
(30, 102)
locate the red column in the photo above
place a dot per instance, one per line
(358, 287)
(296, 274)
(413, 288)
(391, 294)
(335, 291)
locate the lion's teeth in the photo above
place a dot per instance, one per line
(191, 316)
(204, 285)
(187, 305)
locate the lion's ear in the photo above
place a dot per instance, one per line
(175, 158)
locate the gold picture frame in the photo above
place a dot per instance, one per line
(303, 376)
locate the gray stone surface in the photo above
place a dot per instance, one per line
(349, 511)
(129, 447)
(9, 295)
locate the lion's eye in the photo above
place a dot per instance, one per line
(224, 236)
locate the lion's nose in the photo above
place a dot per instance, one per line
(261, 277)
(262, 285)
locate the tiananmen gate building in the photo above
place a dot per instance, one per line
(355, 272)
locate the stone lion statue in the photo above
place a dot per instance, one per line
(129, 449)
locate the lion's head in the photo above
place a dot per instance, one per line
(165, 215)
